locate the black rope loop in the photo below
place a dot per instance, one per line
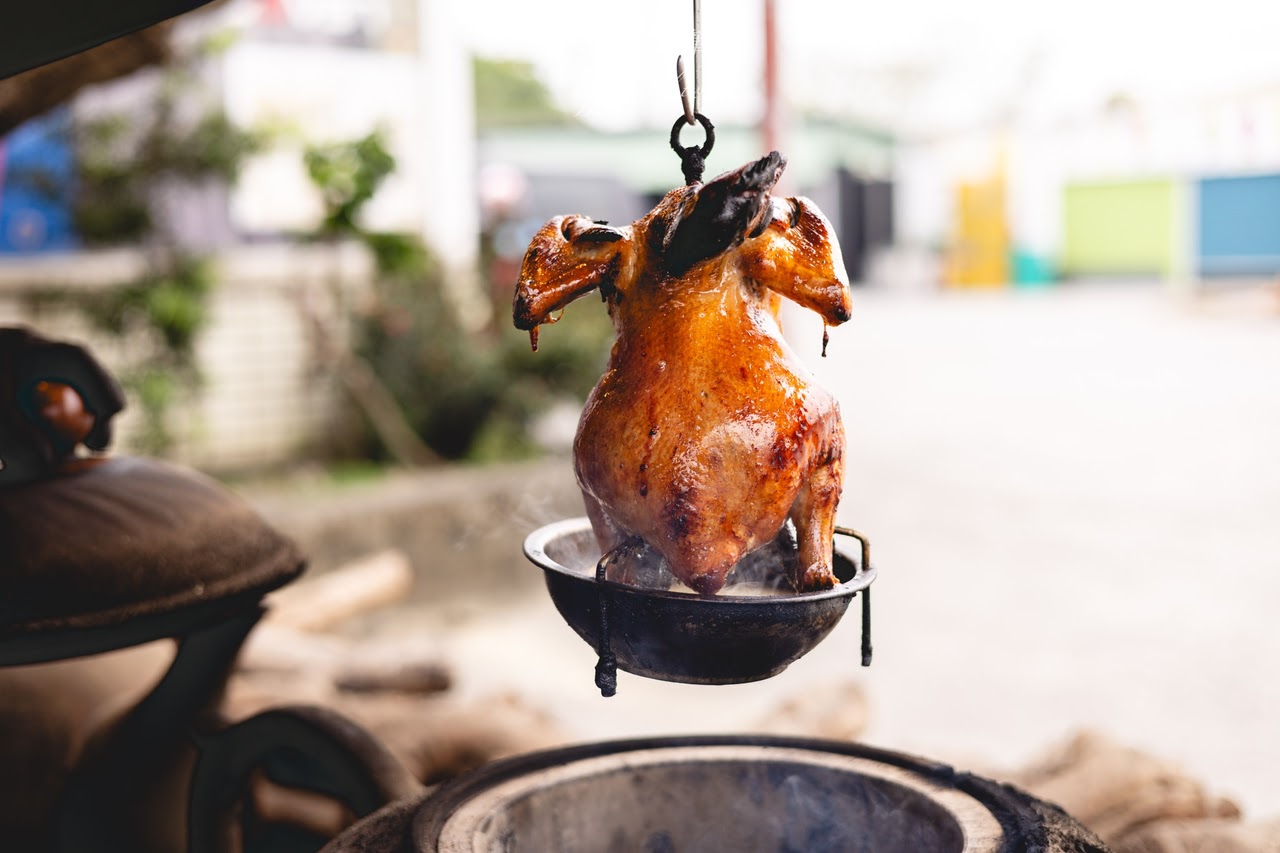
(693, 158)
(607, 664)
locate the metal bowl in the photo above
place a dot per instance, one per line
(686, 637)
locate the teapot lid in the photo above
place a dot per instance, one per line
(99, 553)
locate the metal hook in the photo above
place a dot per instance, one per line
(689, 116)
(691, 111)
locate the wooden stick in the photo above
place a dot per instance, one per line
(319, 603)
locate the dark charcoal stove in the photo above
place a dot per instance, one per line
(737, 636)
(745, 794)
(101, 553)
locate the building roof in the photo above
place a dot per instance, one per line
(643, 160)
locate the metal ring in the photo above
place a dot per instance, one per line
(706, 126)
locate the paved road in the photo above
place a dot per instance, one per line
(1074, 500)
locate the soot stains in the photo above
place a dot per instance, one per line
(679, 515)
(782, 454)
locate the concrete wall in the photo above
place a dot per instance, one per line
(265, 397)
(462, 527)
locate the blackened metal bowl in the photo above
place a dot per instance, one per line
(686, 637)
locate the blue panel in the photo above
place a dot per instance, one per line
(36, 169)
(1240, 225)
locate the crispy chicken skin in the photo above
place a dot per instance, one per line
(705, 433)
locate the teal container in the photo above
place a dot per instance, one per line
(1031, 270)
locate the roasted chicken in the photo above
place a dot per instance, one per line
(705, 434)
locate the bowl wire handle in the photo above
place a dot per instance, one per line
(863, 566)
(607, 665)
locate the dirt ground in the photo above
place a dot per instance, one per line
(1073, 497)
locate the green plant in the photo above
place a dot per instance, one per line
(348, 175)
(177, 137)
(163, 312)
(123, 159)
(475, 395)
(510, 94)
(465, 394)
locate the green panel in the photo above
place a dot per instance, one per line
(1130, 227)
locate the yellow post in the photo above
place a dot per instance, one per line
(979, 255)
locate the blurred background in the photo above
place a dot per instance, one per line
(293, 229)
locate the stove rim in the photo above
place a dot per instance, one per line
(979, 829)
(1014, 810)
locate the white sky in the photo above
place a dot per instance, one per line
(916, 64)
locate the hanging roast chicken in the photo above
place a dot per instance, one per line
(705, 434)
